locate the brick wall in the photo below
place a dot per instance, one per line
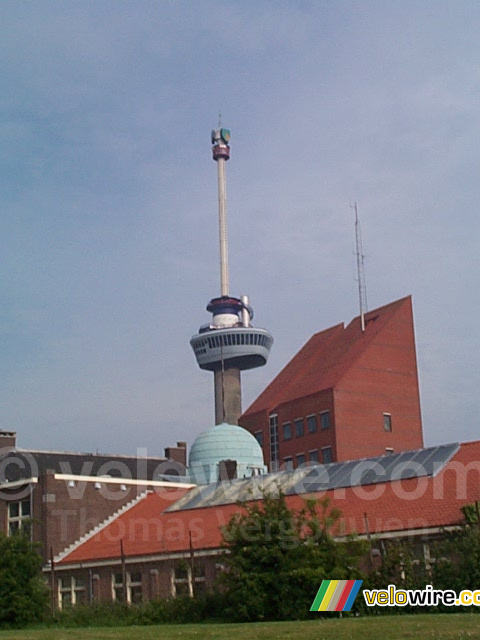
(384, 379)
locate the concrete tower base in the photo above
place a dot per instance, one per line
(228, 396)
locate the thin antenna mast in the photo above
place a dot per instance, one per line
(362, 287)
(221, 153)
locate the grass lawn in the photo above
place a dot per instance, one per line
(416, 627)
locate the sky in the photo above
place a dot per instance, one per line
(108, 223)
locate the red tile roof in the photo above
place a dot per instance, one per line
(325, 358)
(146, 529)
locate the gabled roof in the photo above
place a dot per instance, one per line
(416, 503)
(325, 358)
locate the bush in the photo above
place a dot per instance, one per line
(23, 594)
(114, 614)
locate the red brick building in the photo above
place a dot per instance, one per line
(62, 496)
(170, 541)
(347, 394)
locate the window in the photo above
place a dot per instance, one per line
(325, 419)
(299, 427)
(300, 459)
(133, 592)
(288, 463)
(259, 436)
(19, 515)
(134, 584)
(71, 591)
(311, 424)
(387, 421)
(273, 442)
(327, 455)
(182, 580)
(287, 431)
(181, 576)
(117, 587)
(200, 585)
(313, 456)
(388, 450)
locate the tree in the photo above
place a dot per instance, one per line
(458, 559)
(277, 558)
(23, 594)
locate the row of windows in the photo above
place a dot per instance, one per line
(313, 456)
(299, 425)
(235, 339)
(73, 590)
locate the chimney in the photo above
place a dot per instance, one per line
(178, 453)
(8, 439)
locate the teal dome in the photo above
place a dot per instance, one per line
(224, 442)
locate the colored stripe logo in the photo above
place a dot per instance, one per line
(336, 595)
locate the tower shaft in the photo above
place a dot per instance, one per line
(228, 395)
(222, 226)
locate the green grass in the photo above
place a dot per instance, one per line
(415, 627)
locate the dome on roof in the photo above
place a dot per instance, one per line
(224, 442)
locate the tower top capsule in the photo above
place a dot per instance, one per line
(220, 140)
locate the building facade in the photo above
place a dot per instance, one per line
(62, 496)
(347, 394)
(170, 541)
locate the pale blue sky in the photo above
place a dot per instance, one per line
(108, 238)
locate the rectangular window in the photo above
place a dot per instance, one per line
(299, 427)
(387, 421)
(259, 436)
(311, 424)
(300, 459)
(313, 455)
(199, 578)
(288, 463)
(134, 587)
(327, 455)
(133, 592)
(287, 431)
(71, 591)
(273, 422)
(182, 580)
(117, 587)
(19, 516)
(325, 419)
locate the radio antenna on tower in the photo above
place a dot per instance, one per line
(362, 286)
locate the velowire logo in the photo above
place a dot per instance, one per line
(336, 595)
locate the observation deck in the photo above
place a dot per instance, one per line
(230, 341)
